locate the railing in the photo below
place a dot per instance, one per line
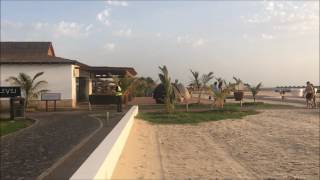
(101, 163)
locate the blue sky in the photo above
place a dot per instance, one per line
(276, 42)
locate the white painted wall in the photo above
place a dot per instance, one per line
(59, 76)
(101, 163)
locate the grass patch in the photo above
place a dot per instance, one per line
(262, 105)
(194, 117)
(10, 126)
(227, 106)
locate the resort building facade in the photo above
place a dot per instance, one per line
(73, 80)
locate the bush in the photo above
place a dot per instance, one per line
(159, 94)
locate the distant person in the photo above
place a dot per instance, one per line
(215, 87)
(119, 97)
(220, 86)
(282, 93)
(309, 94)
(314, 95)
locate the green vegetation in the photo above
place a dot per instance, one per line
(254, 90)
(221, 95)
(9, 126)
(194, 117)
(144, 86)
(169, 97)
(200, 84)
(202, 112)
(30, 88)
(227, 106)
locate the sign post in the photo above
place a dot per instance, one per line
(51, 97)
(10, 92)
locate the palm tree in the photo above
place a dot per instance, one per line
(206, 78)
(238, 82)
(196, 83)
(126, 83)
(254, 90)
(220, 96)
(169, 92)
(30, 88)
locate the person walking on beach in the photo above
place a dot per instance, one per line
(309, 94)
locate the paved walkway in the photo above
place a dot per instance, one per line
(27, 154)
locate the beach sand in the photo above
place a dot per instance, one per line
(140, 158)
(273, 144)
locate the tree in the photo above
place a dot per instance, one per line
(205, 79)
(254, 90)
(220, 96)
(30, 88)
(126, 84)
(169, 92)
(196, 83)
(238, 82)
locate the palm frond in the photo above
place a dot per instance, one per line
(38, 85)
(37, 75)
(13, 80)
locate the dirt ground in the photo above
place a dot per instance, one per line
(276, 144)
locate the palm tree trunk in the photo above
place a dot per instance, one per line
(254, 99)
(199, 97)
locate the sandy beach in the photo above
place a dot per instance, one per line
(273, 144)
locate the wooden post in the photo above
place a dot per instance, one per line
(11, 109)
(55, 104)
(107, 118)
(46, 105)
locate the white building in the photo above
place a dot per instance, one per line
(69, 77)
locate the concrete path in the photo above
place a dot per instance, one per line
(67, 166)
(27, 154)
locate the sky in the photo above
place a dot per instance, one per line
(273, 42)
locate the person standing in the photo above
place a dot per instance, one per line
(314, 96)
(309, 93)
(282, 93)
(119, 97)
(215, 87)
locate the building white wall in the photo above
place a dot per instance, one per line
(60, 77)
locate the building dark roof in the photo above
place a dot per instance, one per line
(43, 53)
(30, 53)
(18, 49)
(112, 70)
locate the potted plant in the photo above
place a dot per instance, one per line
(238, 94)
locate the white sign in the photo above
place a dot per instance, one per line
(50, 96)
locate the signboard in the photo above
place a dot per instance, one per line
(50, 96)
(7, 92)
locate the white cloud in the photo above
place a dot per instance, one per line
(299, 16)
(184, 39)
(109, 46)
(123, 32)
(72, 29)
(103, 17)
(89, 27)
(245, 36)
(189, 40)
(40, 25)
(198, 42)
(266, 36)
(117, 3)
(11, 24)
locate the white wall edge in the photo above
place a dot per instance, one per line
(103, 160)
